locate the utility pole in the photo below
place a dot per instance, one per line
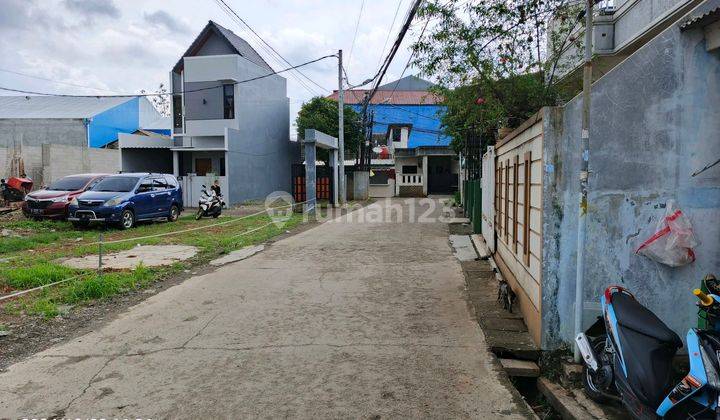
(585, 158)
(341, 131)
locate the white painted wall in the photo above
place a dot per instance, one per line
(526, 272)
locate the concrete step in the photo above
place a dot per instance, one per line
(523, 368)
(573, 404)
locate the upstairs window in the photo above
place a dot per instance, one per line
(397, 134)
(177, 111)
(228, 102)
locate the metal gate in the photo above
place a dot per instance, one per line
(323, 183)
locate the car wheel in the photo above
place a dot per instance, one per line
(174, 213)
(127, 219)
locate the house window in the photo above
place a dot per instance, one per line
(177, 111)
(409, 169)
(397, 134)
(228, 102)
(222, 166)
(379, 177)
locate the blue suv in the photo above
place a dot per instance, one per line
(125, 199)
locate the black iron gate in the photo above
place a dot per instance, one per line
(323, 183)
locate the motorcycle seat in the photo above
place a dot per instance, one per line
(633, 315)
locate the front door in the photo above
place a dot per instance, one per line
(440, 176)
(203, 166)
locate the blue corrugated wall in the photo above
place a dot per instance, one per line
(423, 118)
(105, 126)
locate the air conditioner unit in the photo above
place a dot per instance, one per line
(607, 10)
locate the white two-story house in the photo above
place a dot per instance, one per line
(226, 126)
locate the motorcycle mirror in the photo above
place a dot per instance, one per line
(204, 186)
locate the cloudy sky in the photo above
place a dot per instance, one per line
(123, 46)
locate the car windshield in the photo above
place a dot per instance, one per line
(116, 184)
(69, 183)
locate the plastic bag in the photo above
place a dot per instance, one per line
(673, 241)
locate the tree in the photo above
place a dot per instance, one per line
(322, 114)
(160, 102)
(496, 60)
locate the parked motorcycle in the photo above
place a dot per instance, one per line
(210, 204)
(628, 354)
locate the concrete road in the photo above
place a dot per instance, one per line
(346, 320)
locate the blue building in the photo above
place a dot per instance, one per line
(101, 118)
(412, 157)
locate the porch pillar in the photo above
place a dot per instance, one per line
(310, 177)
(334, 166)
(425, 175)
(176, 163)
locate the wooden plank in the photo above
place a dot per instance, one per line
(522, 368)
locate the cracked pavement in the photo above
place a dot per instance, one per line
(347, 319)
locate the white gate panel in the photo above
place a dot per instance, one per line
(488, 198)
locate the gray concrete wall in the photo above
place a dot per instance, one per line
(61, 160)
(147, 160)
(27, 136)
(260, 153)
(654, 121)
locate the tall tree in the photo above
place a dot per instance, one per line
(322, 114)
(496, 60)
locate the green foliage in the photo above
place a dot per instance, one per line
(44, 307)
(322, 114)
(106, 285)
(496, 60)
(26, 277)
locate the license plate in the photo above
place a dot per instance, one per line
(36, 211)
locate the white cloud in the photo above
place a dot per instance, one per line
(128, 45)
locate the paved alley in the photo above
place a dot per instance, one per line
(350, 319)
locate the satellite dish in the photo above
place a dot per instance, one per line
(377, 149)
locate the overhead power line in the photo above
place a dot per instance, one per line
(387, 38)
(357, 26)
(230, 9)
(391, 54)
(54, 81)
(412, 53)
(167, 93)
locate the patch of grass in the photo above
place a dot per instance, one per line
(53, 240)
(106, 285)
(26, 277)
(44, 307)
(14, 244)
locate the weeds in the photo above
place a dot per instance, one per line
(35, 275)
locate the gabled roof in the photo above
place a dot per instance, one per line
(56, 106)
(239, 45)
(408, 83)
